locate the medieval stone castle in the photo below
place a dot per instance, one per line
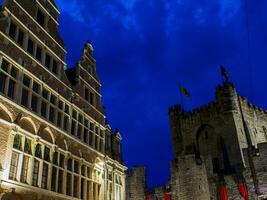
(54, 140)
(220, 152)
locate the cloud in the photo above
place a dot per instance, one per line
(72, 8)
(144, 49)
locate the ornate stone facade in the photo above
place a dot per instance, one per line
(217, 146)
(54, 141)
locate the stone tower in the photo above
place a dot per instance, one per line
(223, 143)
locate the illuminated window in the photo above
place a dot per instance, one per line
(35, 173)
(13, 166)
(24, 169)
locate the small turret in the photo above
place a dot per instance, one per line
(226, 97)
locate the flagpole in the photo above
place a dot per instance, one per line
(181, 95)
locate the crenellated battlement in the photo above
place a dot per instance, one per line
(252, 110)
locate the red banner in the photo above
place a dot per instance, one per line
(148, 197)
(223, 192)
(167, 196)
(243, 189)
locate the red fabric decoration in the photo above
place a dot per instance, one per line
(168, 196)
(148, 197)
(223, 192)
(243, 189)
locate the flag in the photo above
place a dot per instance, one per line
(224, 73)
(185, 92)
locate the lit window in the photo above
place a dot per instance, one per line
(13, 166)
(24, 169)
(35, 173)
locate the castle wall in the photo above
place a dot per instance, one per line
(136, 184)
(189, 180)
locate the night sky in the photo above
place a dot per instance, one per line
(145, 48)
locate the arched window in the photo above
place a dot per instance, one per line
(17, 142)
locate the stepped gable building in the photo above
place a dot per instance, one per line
(220, 149)
(54, 142)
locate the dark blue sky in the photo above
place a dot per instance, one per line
(145, 48)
